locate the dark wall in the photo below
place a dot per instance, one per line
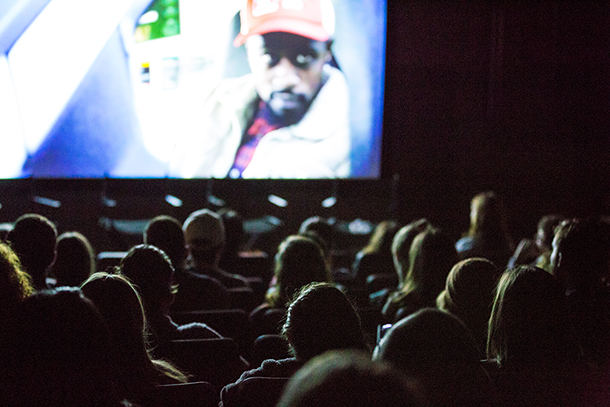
(503, 96)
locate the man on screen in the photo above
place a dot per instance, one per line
(289, 117)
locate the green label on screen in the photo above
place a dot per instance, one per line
(161, 19)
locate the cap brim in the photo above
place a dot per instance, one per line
(302, 28)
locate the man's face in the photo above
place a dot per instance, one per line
(288, 71)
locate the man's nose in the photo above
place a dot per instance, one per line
(285, 75)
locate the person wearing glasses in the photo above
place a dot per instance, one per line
(287, 118)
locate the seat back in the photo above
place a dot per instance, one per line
(216, 361)
(194, 394)
(269, 347)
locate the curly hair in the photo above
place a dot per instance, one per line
(15, 284)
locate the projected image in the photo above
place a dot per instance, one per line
(205, 89)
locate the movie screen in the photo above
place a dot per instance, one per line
(191, 88)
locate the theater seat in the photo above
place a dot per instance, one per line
(195, 394)
(230, 323)
(216, 361)
(269, 347)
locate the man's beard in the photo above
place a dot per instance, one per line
(288, 107)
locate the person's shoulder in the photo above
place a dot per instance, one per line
(196, 330)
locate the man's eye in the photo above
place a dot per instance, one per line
(304, 60)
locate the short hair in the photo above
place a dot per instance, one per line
(298, 262)
(165, 232)
(75, 260)
(349, 378)
(321, 318)
(529, 320)
(149, 268)
(34, 239)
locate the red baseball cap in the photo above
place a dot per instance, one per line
(313, 19)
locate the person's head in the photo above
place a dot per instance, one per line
(234, 229)
(349, 378)
(15, 284)
(437, 350)
(581, 252)
(545, 232)
(321, 318)
(487, 216)
(75, 260)
(34, 239)
(151, 271)
(469, 293)
(288, 46)
(298, 262)
(166, 233)
(431, 257)
(58, 352)
(382, 237)
(323, 227)
(204, 234)
(401, 245)
(427, 338)
(119, 303)
(529, 320)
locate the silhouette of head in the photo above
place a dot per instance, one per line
(34, 239)
(321, 318)
(75, 260)
(350, 379)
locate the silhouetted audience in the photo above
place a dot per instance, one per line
(151, 271)
(135, 371)
(431, 257)
(34, 239)
(194, 291)
(437, 350)
(469, 294)
(320, 318)
(349, 379)
(488, 235)
(75, 260)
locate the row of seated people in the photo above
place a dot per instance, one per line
(426, 255)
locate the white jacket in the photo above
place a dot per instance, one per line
(316, 147)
